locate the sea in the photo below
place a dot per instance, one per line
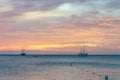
(59, 67)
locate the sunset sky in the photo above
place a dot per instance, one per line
(60, 26)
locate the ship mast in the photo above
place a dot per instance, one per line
(23, 52)
(83, 47)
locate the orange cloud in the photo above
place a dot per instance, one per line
(109, 22)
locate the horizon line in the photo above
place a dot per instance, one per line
(60, 54)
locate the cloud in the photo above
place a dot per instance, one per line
(59, 25)
(43, 5)
(6, 8)
(109, 22)
(113, 4)
(65, 10)
(25, 6)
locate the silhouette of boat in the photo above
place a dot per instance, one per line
(23, 52)
(83, 54)
(83, 51)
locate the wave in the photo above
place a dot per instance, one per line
(94, 64)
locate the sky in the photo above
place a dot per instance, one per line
(60, 26)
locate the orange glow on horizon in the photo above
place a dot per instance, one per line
(46, 46)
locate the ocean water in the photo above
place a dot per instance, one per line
(59, 67)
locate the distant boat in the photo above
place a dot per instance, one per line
(23, 52)
(83, 54)
(83, 51)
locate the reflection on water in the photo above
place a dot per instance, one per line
(59, 67)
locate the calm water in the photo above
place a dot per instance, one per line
(59, 67)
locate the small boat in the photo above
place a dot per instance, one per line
(23, 52)
(83, 51)
(83, 54)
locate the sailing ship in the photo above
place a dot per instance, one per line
(23, 52)
(83, 51)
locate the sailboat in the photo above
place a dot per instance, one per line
(83, 51)
(23, 52)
